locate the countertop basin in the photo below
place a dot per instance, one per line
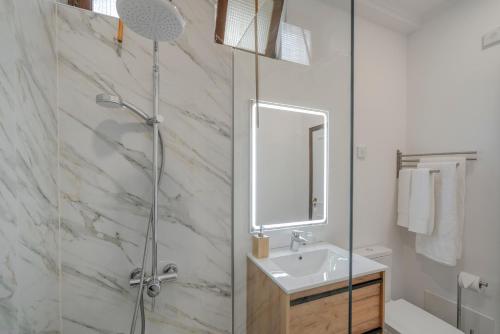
(310, 262)
(313, 266)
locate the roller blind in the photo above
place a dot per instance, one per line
(240, 29)
(107, 7)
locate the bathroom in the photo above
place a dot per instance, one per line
(148, 184)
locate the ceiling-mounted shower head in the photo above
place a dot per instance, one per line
(158, 20)
(115, 102)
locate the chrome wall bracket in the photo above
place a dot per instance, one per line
(152, 121)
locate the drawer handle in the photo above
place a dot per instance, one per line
(327, 294)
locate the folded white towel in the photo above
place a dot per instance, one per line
(421, 219)
(445, 244)
(404, 186)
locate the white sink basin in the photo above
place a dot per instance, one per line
(311, 262)
(314, 265)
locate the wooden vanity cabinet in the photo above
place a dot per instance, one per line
(323, 310)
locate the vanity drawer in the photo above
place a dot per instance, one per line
(320, 310)
(328, 311)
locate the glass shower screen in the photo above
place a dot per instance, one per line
(292, 133)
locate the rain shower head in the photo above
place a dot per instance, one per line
(158, 20)
(115, 102)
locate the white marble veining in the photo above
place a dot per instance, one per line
(313, 266)
(9, 101)
(106, 174)
(29, 285)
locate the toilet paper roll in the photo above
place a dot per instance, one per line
(469, 281)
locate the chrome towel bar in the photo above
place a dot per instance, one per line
(412, 160)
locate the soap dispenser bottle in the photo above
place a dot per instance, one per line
(260, 245)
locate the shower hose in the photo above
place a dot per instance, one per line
(139, 303)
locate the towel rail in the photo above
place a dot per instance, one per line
(403, 162)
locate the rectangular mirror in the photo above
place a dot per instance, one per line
(289, 166)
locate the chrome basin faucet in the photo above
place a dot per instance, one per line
(297, 240)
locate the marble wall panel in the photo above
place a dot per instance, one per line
(29, 279)
(106, 177)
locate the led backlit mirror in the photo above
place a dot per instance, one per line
(289, 166)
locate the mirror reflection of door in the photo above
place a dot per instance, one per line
(316, 173)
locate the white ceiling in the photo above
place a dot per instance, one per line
(412, 7)
(405, 16)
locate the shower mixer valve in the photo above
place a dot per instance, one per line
(153, 284)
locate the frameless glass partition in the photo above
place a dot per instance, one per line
(292, 115)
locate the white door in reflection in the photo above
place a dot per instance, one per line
(316, 165)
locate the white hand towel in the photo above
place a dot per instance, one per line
(445, 244)
(421, 219)
(404, 186)
(461, 174)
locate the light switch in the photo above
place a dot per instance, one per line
(361, 152)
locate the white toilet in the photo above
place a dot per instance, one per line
(402, 317)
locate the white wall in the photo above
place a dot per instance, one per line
(435, 90)
(454, 104)
(380, 125)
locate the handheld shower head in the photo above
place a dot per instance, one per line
(115, 102)
(158, 20)
(109, 101)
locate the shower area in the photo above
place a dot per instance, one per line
(77, 184)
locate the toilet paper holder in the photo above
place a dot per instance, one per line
(482, 285)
